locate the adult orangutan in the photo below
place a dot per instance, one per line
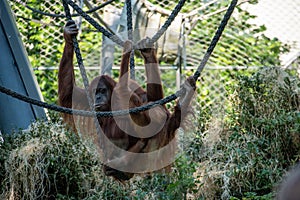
(132, 134)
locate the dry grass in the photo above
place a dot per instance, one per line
(51, 162)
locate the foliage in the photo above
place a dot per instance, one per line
(244, 159)
(270, 109)
(242, 43)
(175, 185)
(262, 138)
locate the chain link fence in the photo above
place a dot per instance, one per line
(244, 47)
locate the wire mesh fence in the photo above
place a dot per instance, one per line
(243, 46)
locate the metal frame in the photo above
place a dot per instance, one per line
(15, 73)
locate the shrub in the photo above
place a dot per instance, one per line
(261, 138)
(268, 107)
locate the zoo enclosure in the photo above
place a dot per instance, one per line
(243, 45)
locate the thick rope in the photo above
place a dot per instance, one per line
(85, 113)
(132, 65)
(78, 56)
(130, 37)
(168, 22)
(129, 19)
(115, 38)
(215, 38)
(84, 77)
(106, 33)
(36, 102)
(137, 109)
(60, 16)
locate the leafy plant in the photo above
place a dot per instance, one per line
(261, 139)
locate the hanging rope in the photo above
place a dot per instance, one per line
(57, 15)
(215, 39)
(80, 112)
(85, 79)
(115, 38)
(137, 109)
(109, 35)
(78, 55)
(168, 22)
(130, 37)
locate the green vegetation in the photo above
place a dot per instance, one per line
(245, 159)
(241, 153)
(261, 137)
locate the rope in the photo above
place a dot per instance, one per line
(215, 38)
(167, 22)
(58, 16)
(78, 56)
(84, 77)
(109, 35)
(84, 113)
(79, 59)
(115, 38)
(36, 102)
(129, 19)
(137, 109)
(132, 65)
(130, 37)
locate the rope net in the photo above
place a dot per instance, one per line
(242, 45)
(153, 39)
